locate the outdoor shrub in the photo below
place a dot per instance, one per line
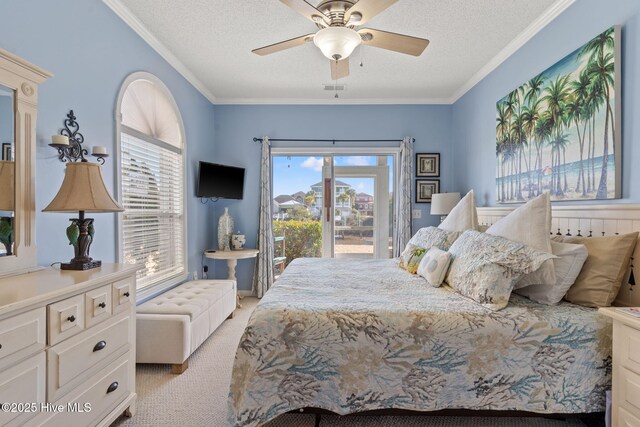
(302, 238)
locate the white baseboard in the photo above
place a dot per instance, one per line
(244, 293)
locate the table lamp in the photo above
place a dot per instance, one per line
(7, 203)
(83, 190)
(443, 203)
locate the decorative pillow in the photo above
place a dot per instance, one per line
(411, 258)
(463, 216)
(530, 224)
(428, 237)
(434, 265)
(485, 267)
(570, 259)
(605, 270)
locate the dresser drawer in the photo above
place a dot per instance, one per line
(66, 318)
(97, 305)
(627, 346)
(22, 335)
(22, 383)
(68, 361)
(625, 419)
(103, 392)
(123, 292)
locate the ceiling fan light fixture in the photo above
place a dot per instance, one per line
(337, 43)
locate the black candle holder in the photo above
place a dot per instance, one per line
(74, 152)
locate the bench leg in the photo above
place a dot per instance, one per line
(231, 315)
(179, 368)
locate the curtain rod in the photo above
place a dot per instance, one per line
(329, 140)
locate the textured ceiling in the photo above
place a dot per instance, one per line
(214, 39)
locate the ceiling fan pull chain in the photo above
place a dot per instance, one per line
(335, 86)
(361, 54)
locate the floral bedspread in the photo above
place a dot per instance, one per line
(356, 335)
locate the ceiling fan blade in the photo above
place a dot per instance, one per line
(392, 41)
(367, 9)
(339, 69)
(287, 44)
(307, 10)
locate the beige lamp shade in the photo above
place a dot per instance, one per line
(83, 189)
(442, 203)
(7, 185)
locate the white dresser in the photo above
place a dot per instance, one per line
(67, 347)
(626, 368)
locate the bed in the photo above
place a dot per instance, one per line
(357, 335)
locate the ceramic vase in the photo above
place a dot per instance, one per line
(238, 241)
(225, 231)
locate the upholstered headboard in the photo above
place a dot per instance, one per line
(589, 220)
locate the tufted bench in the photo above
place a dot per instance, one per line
(172, 325)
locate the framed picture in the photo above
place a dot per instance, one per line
(574, 107)
(425, 188)
(428, 164)
(6, 151)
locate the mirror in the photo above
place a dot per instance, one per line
(7, 171)
(19, 83)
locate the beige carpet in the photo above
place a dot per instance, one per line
(198, 397)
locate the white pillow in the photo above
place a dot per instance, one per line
(434, 265)
(463, 216)
(530, 224)
(571, 258)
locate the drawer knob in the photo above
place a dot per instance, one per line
(113, 387)
(71, 318)
(102, 344)
(102, 305)
(126, 294)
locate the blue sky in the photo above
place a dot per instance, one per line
(298, 173)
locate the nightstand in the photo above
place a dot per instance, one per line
(626, 368)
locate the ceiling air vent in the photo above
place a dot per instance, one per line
(333, 87)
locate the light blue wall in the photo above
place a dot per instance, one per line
(236, 126)
(473, 119)
(91, 51)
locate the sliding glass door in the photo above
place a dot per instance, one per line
(361, 225)
(333, 205)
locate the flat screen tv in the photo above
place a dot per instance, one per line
(225, 182)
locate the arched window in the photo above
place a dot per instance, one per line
(152, 228)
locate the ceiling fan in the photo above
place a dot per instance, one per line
(338, 35)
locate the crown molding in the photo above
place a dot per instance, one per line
(543, 20)
(139, 28)
(332, 101)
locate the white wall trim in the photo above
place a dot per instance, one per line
(330, 100)
(536, 26)
(139, 28)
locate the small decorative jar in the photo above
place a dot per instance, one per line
(238, 241)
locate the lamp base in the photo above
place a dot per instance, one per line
(78, 265)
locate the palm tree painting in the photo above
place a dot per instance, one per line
(560, 131)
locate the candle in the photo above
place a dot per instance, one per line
(60, 140)
(99, 150)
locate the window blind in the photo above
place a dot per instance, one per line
(152, 195)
